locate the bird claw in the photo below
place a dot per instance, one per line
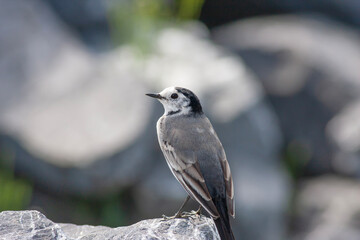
(177, 215)
(190, 214)
(183, 215)
(193, 213)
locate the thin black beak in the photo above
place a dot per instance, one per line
(154, 95)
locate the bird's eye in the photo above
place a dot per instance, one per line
(174, 96)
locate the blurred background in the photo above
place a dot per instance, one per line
(280, 81)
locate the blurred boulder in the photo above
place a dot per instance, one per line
(71, 121)
(80, 14)
(327, 208)
(34, 225)
(87, 18)
(234, 101)
(344, 131)
(215, 13)
(309, 67)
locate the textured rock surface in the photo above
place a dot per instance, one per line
(34, 225)
(28, 225)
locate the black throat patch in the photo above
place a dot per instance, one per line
(172, 112)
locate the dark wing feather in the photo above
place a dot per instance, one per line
(228, 183)
(187, 172)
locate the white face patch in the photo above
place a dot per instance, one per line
(179, 105)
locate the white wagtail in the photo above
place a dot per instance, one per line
(196, 156)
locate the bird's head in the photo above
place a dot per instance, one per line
(179, 101)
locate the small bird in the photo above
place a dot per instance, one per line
(196, 156)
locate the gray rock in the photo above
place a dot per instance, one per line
(34, 225)
(28, 225)
(327, 208)
(308, 82)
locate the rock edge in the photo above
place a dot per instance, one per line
(32, 224)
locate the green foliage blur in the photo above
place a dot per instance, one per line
(108, 211)
(295, 158)
(137, 22)
(15, 193)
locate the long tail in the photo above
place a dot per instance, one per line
(223, 223)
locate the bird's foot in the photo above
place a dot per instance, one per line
(177, 215)
(180, 214)
(191, 214)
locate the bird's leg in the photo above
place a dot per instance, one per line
(198, 212)
(178, 213)
(192, 213)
